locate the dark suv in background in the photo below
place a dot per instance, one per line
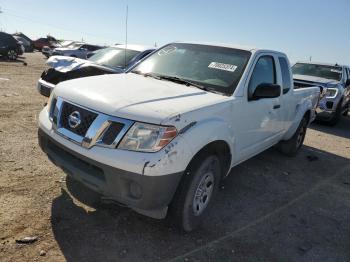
(9, 46)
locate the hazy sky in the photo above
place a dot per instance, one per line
(317, 28)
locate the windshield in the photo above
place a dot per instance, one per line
(324, 71)
(114, 57)
(74, 46)
(66, 43)
(215, 68)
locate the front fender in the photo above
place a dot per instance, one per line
(204, 132)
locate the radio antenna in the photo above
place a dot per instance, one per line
(126, 34)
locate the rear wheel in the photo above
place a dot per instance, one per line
(345, 113)
(12, 54)
(196, 192)
(337, 115)
(291, 146)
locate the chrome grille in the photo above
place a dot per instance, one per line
(87, 117)
(94, 128)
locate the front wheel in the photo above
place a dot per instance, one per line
(291, 146)
(337, 115)
(196, 192)
(12, 54)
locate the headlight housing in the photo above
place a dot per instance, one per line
(331, 92)
(147, 137)
(51, 106)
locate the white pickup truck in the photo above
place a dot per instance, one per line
(163, 135)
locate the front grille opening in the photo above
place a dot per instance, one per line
(329, 104)
(45, 91)
(112, 132)
(87, 117)
(78, 163)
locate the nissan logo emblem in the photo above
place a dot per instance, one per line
(74, 119)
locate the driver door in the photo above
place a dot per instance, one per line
(258, 120)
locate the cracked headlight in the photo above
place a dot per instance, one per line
(147, 137)
(331, 92)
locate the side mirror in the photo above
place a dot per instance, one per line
(347, 83)
(265, 90)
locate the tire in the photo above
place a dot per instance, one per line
(186, 210)
(346, 112)
(336, 117)
(291, 146)
(12, 54)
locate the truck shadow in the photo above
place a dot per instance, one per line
(85, 230)
(342, 129)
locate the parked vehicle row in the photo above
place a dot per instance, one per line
(28, 43)
(45, 41)
(160, 137)
(111, 60)
(10, 48)
(47, 50)
(334, 82)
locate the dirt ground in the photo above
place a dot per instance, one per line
(271, 208)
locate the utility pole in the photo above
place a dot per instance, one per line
(0, 23)
(126, 34)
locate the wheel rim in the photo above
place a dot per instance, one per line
(12, 54)
(301, 135)
(203, 193)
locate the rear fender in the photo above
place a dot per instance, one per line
(300, 110)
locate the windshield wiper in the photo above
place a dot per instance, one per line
(178, 80)
(146, 74)
(189, 83)
(183, 81)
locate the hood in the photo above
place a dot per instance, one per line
(316, 80)
(136, 97)
(65, 64)
(63, 49)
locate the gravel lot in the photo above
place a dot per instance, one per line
(271, 208)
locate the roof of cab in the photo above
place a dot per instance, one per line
(235, 46)
(321, 63)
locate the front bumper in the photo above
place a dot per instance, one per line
(45, 88)
(148, 195)
(326, 108)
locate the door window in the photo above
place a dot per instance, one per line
(264, 72)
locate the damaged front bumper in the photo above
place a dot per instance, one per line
(326, 108)
(148, 195)
(45, 88)
(145, 182)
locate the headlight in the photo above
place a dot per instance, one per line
(331, 92)
(147, 137)
(51, 105)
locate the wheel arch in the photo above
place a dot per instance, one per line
(218, 147)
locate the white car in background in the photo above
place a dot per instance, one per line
(110, 60)
(47, 51)
(79, 50)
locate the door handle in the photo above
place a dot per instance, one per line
(276, 106)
